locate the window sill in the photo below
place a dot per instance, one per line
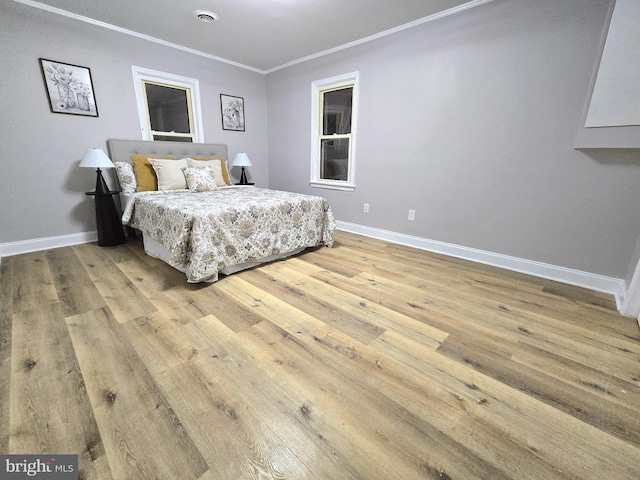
(333, 185)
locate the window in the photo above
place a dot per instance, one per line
(333, 132)
(168, 106)
(169, 112)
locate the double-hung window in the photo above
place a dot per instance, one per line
(169, 112)
(168, 106)
(333, 132)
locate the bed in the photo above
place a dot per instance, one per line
(181, 198)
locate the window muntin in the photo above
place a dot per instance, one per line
(333, 129)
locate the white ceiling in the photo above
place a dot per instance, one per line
(262, 35)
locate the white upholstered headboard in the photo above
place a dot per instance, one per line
(121, 150)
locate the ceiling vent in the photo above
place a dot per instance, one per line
(205, 16)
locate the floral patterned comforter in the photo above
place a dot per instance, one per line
(208, 231)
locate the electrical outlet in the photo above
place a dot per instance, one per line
(366, 208)
(412, 215)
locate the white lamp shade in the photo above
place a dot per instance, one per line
(96, 158)
(241, 160)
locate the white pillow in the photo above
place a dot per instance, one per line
(215, 165)
(200, 179)
(126, 177)
(169, 173)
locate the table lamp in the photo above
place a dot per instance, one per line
(108, 221)
(242, 160)
(96, 158)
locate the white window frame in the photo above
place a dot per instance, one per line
(141, 74)
(318, 87)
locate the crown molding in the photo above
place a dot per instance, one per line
(149, 38)
(391, 31)
(125, 31)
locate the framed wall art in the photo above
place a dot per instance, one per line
(69, 88)
(232, 112)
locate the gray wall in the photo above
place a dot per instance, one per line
(41, 188)
(471, 121)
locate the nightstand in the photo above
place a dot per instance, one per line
(110, 232)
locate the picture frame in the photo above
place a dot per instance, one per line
(69, 88)
(232, 109)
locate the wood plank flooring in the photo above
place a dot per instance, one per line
(364, 361)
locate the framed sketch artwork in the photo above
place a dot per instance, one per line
(69, 88)
(232, 112)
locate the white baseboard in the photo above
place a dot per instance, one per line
(46, 243)
(600, 283)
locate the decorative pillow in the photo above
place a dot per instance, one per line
(145, 175)
(222, 178)
(169, 173)
(200, 179)
(126, 177)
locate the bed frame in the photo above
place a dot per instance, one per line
(121, 150)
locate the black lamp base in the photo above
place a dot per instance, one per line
(101, 185)
(243, 178)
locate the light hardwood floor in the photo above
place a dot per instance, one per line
(365, 361)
